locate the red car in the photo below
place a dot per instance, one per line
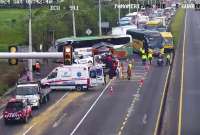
(17, 110)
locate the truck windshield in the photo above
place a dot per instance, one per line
(15, 106)
(27, 90)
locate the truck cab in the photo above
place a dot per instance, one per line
(32, 92)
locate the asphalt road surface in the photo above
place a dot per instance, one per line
(121, 107)
(189, 113)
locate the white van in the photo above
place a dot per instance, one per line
(77, 76)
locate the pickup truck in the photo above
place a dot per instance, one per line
(34, 92)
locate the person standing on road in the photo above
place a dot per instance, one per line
(150, 57)
(144, 59)
(129, 72)
(168, 57)
(122, 70)
(142, 51)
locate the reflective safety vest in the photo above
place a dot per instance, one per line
(168, 56)
(143, 51)
(130, 66)
(150, 56)
(144, 57)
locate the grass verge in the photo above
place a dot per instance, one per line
(12, 28)
(177, 23)
(9, 76)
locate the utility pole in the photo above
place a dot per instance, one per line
(73, 19)
(160, 3)
(100, 32)
(119, 10)
(129, 8)
(30, 43)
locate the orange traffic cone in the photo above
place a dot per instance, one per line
(111, 90)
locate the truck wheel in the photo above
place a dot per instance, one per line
(79, 88)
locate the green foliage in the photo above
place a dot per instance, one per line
(11, 22)
(177, 24)
(14, 22)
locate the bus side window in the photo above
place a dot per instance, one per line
(93, 74)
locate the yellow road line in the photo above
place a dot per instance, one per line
(182, 80)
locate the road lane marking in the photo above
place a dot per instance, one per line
(52, 107)
(59, 100)
(131, 110)
(1, 117)
(56, 123)
(182, 78)
(120, 132)
(144, 120)
(95, 102)
(161, 103)
(29, 129)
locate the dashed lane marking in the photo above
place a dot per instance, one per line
(52, 107)
(144, 120)
(29, 129)
(59, 120)
(95, 102)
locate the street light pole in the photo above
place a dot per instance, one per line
(30, 43)
(73, 19)
(129, 8)
(100, 32)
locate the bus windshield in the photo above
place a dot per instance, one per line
(168, 41)
(154, 42)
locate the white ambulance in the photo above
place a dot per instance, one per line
(76, 76)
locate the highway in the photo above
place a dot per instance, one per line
(189, 113)
(131, 107)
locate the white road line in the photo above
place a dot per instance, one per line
(180, 120)
(56, 123)
(59, 100)
(95, 102)
(50, 108)
(29, 129)
(1, 117)
(144, 120)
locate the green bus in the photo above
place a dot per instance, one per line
(89, 41)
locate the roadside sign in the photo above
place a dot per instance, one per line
(88, 31)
